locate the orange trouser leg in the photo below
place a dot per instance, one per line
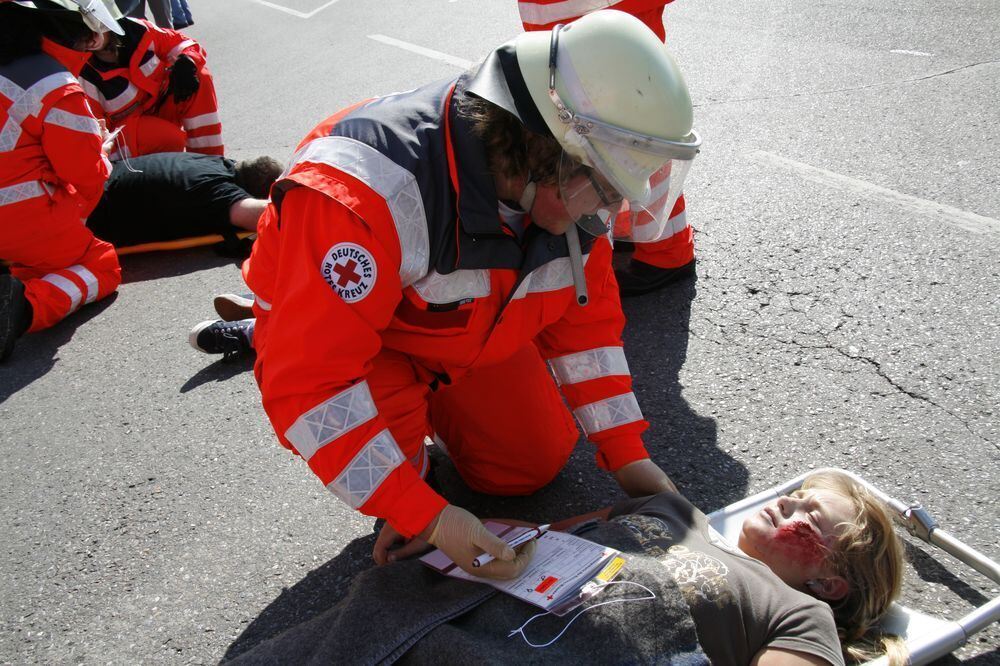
(145, 135)
(505, 426)
(62, 264)
(674, 250)
(401, 396)
(199, 116)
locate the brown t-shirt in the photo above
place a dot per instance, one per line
(738, 604)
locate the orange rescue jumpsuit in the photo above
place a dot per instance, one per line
(677, 247)
(52, 173)
(135, 95)
(392, 304)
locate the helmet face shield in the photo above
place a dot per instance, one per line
(628, 179)
(590, 199)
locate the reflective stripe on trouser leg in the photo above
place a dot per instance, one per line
(369, 468)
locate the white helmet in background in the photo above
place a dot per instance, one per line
(616, 101)
(98, 15)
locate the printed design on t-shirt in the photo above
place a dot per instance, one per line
(700, 577)
(351, 270)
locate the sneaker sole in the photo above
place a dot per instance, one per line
(231, 307)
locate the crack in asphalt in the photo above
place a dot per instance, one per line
(744, 327)
(881, 84)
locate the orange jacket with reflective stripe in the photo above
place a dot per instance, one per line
(117, 92)
(50, 142)
(386, 233)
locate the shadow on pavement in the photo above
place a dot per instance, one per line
(35, 353)
(156, 265)
(681, 441)
(219, 371)
(933, 571)
(311, 596)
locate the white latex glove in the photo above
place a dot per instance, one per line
(643, 477)
(462, 537)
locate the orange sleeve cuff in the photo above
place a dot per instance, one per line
(415, 507)
(616, 452)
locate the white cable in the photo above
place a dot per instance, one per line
(520, 630)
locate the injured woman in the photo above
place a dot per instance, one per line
(813, 573)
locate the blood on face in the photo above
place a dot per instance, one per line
(801, 543)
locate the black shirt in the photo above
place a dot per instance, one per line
(175, 195)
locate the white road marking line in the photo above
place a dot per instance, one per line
(420, 50)
(294, 12)
(905, 52)
(977, 224)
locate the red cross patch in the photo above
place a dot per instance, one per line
(350, 269)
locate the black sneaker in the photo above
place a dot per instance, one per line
(15, 313)
(232, 307)
(232, 339)
(639, 278)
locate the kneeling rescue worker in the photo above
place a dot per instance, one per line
(419, 265)
(52, 165)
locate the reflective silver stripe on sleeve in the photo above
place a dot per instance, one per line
(366, 472)
(392, 182)
(150, 65)
(331, 419)
(261, 303)
(610, 413)
(462, 284)
(26, 103)
(560, 11)
(73, 121)
(66, 286)
(203, 120)
(89, 279)
(20, 192)
(590, 364)
(205, 141)
(93, 92)
(176, 51)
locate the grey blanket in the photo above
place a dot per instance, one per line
(409, 614)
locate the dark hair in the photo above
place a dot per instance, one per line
(511, 148)
(20, 34)
(257, 175)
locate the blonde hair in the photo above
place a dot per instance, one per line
(869, 555)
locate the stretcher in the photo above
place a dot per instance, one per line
(927, 637)
(178, 244)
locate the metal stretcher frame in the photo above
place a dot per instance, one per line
(927, 637)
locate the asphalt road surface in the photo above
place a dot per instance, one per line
(845, 313)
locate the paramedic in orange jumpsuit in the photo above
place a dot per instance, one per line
(414, 273)
(653, 265)
(52, 170)
(154, 84)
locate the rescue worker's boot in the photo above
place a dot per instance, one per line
(15, 313)
(232, 339)
(231, 307)
(639, 278)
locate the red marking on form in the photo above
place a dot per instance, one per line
(546, 584)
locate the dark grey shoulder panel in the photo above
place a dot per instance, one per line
(27, 71)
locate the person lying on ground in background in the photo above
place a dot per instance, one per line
(154, 83)
(53, 165)
(166, 196)
(813, 573)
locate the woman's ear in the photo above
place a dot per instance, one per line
(832, 588)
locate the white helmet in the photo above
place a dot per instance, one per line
(616, 101)
(98, 15)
